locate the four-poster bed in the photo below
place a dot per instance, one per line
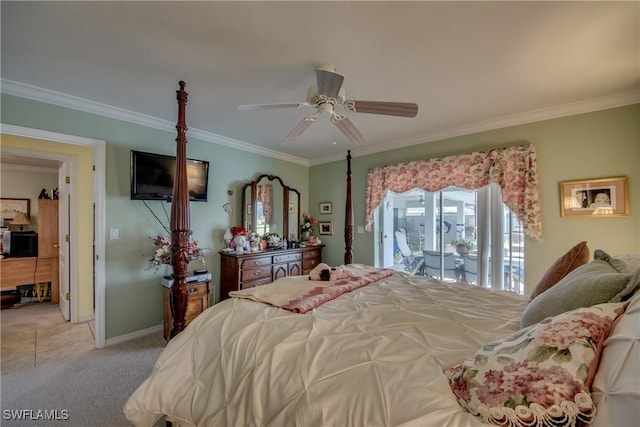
(377, 347)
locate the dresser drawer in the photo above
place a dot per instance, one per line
(312, 254)
(255, 273)
(255, 262)
(197, 291)
(254, 283)
(309, 264)
(287, 258)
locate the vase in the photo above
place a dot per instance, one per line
(240, 241)
(462, 250)
(305, 236)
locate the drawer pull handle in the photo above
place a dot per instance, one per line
(192, 290)
(256, 262)
(256, 273)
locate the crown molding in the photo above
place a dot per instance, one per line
(35, 93)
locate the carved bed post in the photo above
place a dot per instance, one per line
(348, 218)
(180, 221)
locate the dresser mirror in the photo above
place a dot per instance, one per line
(271, 206)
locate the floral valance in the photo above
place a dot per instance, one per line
(512, 168)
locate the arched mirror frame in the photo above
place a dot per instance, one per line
(286, 190)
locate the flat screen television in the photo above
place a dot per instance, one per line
(152, 177)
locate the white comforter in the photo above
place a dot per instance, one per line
(372, 357)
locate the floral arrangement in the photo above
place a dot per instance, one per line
(307, 223)
(162, 252)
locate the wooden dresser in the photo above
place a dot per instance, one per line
(249, 269)
(20, 271)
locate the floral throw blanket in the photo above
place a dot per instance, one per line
(300, 295)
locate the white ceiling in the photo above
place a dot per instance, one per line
(470, 66)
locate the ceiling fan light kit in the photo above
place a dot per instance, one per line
(325, 95)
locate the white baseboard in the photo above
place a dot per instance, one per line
(133, 335)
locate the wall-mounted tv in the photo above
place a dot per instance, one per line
(152, 177)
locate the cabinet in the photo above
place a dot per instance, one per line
(43, 268)
(249, 269)
(198, 302)
(48, 241)
(48, 228)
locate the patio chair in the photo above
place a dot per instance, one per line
(470, 268)
(412, 263)
(432, 264)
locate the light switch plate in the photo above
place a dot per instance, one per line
(113, 234)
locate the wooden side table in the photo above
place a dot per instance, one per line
(198, 302)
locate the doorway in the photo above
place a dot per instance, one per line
(65, 154)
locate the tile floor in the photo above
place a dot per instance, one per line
(36, 333)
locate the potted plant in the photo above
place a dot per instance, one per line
(463, 246)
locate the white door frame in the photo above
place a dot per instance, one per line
(99, 159)
(64, 229)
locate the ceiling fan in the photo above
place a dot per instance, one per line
(325, 96)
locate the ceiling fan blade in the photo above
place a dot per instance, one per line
(300, 127)
(252, 107)
(329, 83)
(347, 127)
(402, 109)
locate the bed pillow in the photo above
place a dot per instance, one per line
(540, 375)
(602, 280)
(575, 257)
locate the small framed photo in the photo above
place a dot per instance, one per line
(326, 228)
(292, 208)
(326, 208)
(595, 198)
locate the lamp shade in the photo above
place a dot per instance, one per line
(21, 219)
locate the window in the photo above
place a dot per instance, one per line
(461, 234)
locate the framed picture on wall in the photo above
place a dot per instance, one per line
(595, 198)
(326, 208)
(292, 208)
(11, 207)
(326, 228)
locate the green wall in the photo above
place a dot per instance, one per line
(133, 294)
(593, 145)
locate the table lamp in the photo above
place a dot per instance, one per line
(21, 219)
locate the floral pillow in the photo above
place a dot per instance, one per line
(539, 375)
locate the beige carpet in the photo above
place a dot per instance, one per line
(52, 374)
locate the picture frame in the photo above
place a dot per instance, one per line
(10, 206)
(326, 227)
(326, 208)
(595, 198)
(292, 208)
